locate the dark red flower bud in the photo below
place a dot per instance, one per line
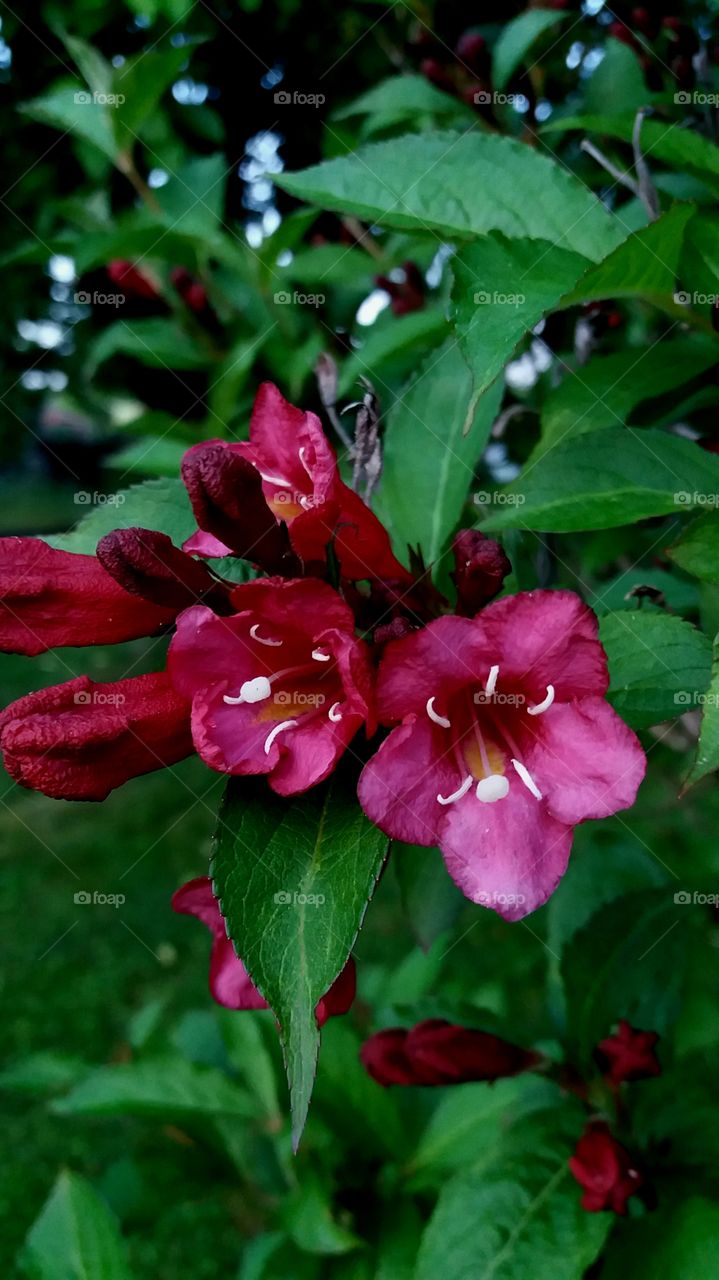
(684, 38)
(605, 1170)
(645, 22)
(440, 1053)
(629, 1054)
(50, 598)
(406, 295)
(472, 51)
(80, 740)
(227, 500)
(192, 292)
(480, 567)
(147, 564)
(683, 69)
(384, 1059)
(435, 1052)
(621, 32)
(436, 73)
(393, 630)
(131, 280)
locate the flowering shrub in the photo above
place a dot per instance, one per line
(384, 638)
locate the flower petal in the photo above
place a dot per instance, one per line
(585, 760)
(509, 856)
(546, 637)
(434, 662)
(399, 786)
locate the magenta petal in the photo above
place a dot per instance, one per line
(210, 651)
(398, 788)
(197, 899)
(230, 983)
(433, 662)
(546, 637)
(585, 760)
(205, 545)
(509, 856)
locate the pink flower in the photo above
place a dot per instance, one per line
(230, 983)
(629, 1054)
(505, 743)
(436, 1052)
(605, 1170)
(302, 488)
(280, 688)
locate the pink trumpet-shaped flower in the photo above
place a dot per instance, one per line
(230, 983)
(279, 688)
(504, 744)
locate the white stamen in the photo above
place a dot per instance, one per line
(434, 715)
(304, 464)
(543, 706)
(493, 788)
(527, 779)
(279, 728)
(251, 691)
(274, 644)
(491, 681)
(457, 795)
(334, 715)
(321, 657)
(284, 484)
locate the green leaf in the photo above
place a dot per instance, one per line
(72, 109)
(420, 183)
(308, 1219)
(294, 878)
(149, 456)
(157, 504)
(76, 1237)
(607, 479)
(645, 265)
(707, 753)
(42, 1072)
(429, 458)
(392, 341)
(193, 200)
(678, 1243)
(697, 551)
(520, 1216)
(430, 897)
(404, 97)
(502, 288)
(166, 1087)
(681, 148)
(625, 963)
(156, 341)
(605, 392)
(658, 665)
(516, 39)
(467, 1128)
(141, 82)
